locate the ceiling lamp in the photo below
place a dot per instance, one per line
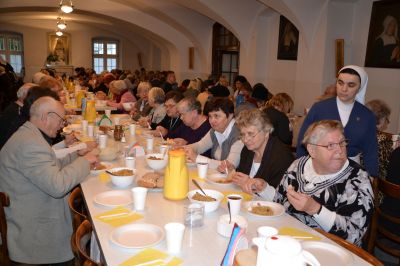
(61, 24)
(65, 7)
(59, 33)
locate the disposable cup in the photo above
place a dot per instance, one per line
(130, 162)
(149, 143)
(235, 201)
(174, 232)
(108, 113)
(90, 130)
(139, 197)
(202, 170)
(132, 129)
(102, 141)
(84, 125)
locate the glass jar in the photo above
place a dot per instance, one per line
(118, 132)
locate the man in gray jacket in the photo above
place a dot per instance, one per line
(38, 219)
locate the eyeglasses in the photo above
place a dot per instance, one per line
(333, 146)
(250, 136)
(63, 122)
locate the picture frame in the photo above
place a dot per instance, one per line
(288, 42)
(58, 50)
(383, 47)
(339, 55)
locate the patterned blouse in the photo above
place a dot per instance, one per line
(348, 195)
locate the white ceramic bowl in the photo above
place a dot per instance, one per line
(121, 181)
(209, 206)
(157, 164)
(127, 106)
(225, 228)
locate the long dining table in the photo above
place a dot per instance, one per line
(201, 246)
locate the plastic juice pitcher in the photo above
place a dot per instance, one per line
(176, 181)
(90, 112)
(79, 96)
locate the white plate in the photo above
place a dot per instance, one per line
(328, 254)
(106, 164)
(277, 208)
(137, 235)
(214, 178)
(114, 198)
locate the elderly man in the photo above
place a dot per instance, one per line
(38, 220)
(325, 189)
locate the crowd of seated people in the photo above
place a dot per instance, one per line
(243, 128)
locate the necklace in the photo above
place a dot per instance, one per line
(171, 125)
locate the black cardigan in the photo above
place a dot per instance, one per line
(276, 160)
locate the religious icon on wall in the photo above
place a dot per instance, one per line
(288, 40)
(383, 48)
(58, 49)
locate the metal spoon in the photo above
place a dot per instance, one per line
(108, 172)
(229, 209)
(199, 187)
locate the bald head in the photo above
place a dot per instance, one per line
(48, 115)
(43, 105)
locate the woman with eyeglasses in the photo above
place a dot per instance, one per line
(325, 189)
(223, 139)
(263, 156)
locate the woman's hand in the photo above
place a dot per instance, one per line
(225, 166)
(302, 202)
(240, 179)
(160, 129)
(254, 185)
(191, 155)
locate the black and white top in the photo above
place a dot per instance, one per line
(346, 198)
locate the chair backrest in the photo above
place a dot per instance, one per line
(82, 241)
(77, 207)
(379, 218)
(351, 247)
(5, 202)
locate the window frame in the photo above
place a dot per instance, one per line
(7, 52)
(105, 56)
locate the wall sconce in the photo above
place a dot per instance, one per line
(59, 33)
(61, 24)
(65, 7)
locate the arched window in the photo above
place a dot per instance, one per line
(12, 50)
(105, 54)
(225, 53)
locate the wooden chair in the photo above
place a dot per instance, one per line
(77, 207)
(82, 241)
(351, 247)
(379, 232)
(5, 202)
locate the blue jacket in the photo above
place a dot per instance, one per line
(360, 131)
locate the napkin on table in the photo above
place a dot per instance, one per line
(119, 216)
(297, 233)
(152, 257)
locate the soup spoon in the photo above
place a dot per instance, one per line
(199, 187)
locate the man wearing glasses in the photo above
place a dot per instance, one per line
(38, 219)
(325, 189)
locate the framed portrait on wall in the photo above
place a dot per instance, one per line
(288, 43)
(383, 47)
(58, 48)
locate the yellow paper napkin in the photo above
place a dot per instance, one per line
(298, 234)
(104, 177)
(152, 257)
(246, 197)
(119, 216)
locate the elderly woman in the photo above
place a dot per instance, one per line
(347, 107)
(172, 120)
(223, 139)
(264, 156)
(276, 111)
(385, 145)
(142, 107)
(121, 94)
(326, 189)
(195, 125)
(158, 111)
